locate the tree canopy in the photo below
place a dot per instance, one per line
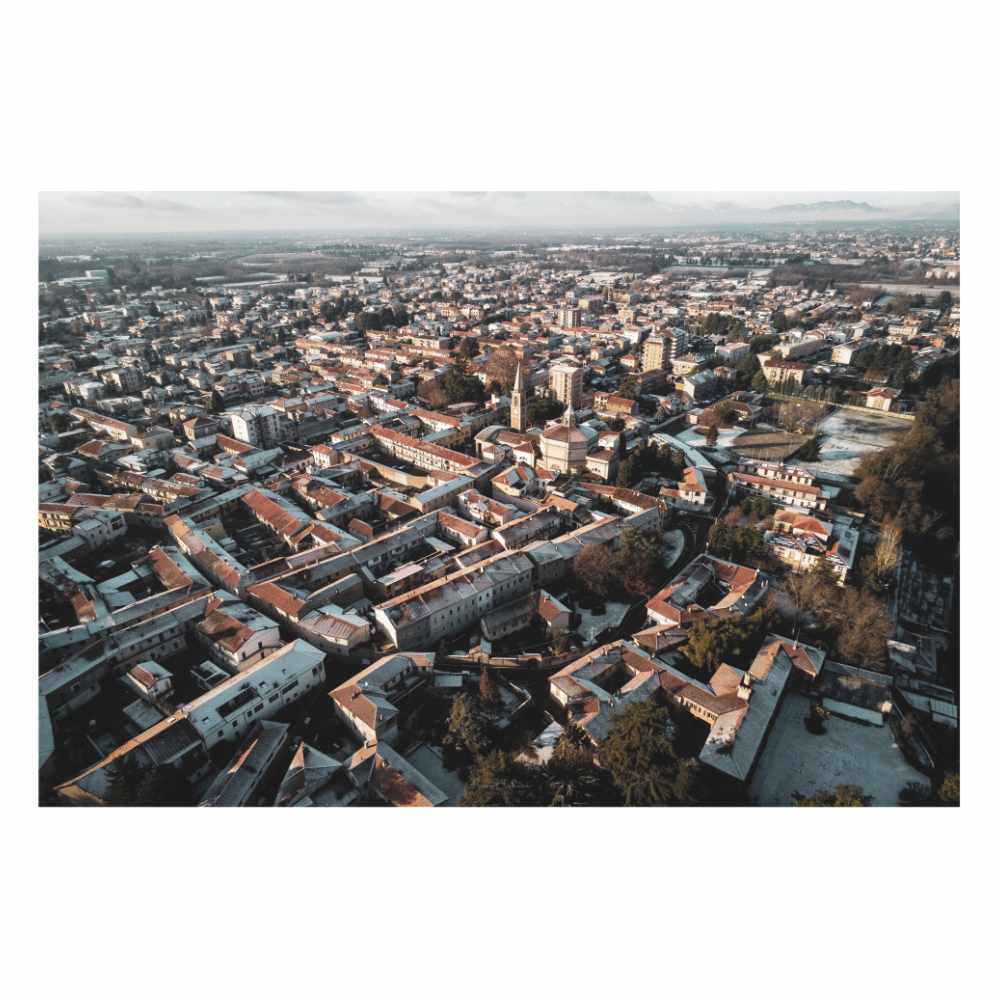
(844, 795)
(727, 640)
(639, 757)
(133, 784)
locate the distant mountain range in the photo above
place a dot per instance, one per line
(825, 206)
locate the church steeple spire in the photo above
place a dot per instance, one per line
(518, 409)
(569, 417)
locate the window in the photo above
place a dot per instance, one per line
(236, 724)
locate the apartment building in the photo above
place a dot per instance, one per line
(369, 701)
(729, 354)
(566, 384)
(780, 371)
(662, 349)
(569, 317)
(259, 426)
(237, 636)
(229, 711)
(419, 619)
(784, 484)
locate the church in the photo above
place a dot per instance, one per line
(563, 447)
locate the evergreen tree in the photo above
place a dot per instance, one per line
(845, 795)
(560, 642)
(810, 451)
(489, 690)
(641, 761)
(948, 793)
(723, 640)
(133, 784)
(498, 781)
(466, 727)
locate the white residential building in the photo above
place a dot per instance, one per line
(230, 711)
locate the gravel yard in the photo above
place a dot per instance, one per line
(849, 753)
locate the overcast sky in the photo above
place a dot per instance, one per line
(139, 212)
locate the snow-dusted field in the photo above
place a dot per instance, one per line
(847, 434)
(848, 753)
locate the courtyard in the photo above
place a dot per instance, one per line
(849, 753)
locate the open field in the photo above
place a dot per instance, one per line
(847, 434)
(848, 753)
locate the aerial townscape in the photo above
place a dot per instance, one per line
(502, 517)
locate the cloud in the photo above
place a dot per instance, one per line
(325, 198)
(117, 200)
(93, 212)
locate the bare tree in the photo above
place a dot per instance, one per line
(598, 570)
(502, 364)
(888, 549)
(864, 626)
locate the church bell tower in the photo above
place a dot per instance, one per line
(518, 414)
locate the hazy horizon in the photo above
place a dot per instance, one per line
(138, 213)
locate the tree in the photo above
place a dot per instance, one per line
(810, 451)
(574, 746)
(560, 642)
(468, 348)
(661, 414)
(948, 792)
(877, 497)
(502, 364)
(461, 387)
(595, 568)
(641, 761)
(134, 784)
(539, 410)
(739, 542)
(723, 640)
(712, 437)
(466, 727)
(845, 795)
(628, 387)
(489, 690)
(637, 561)
(498, 781)
(217, 404)
(58, 422)
(888, 550)
(626, 474)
